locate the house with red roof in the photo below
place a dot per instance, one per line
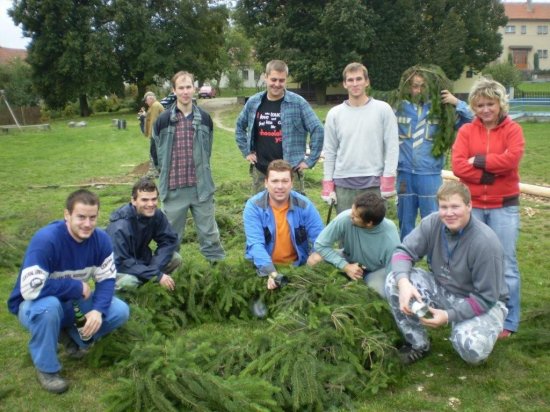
(527, 33)
(7, 54)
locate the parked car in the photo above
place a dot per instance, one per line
(207, 91)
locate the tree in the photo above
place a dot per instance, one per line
(16, 81)
(392, 48)
(318, 38)
(235, 57)
(71, 52)
(155, 39)
(315, 38)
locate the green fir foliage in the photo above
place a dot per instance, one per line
(442, 114)
(325, 342)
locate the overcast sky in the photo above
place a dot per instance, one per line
(11, 36)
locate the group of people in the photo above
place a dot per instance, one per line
(467, 233)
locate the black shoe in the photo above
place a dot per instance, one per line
(52, 382)
(71, 348)
(408, 355)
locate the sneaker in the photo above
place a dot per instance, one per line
(71, 348)
(505, 334)
(52, 382)
(408, 354)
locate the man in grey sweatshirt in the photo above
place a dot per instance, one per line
(464, 285)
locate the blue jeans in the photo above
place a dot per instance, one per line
(415, 192)
(44, 318)
(505, 223)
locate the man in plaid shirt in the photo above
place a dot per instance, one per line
(274, 125)
(182, 139)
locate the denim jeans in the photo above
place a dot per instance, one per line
(415, 192)
(177, 204)
(45, 317)
(505, 223)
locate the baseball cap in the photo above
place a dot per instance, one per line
(146, 95)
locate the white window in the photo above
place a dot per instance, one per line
(510, 29)
(523, 29)
(543, 54)
(542, 29)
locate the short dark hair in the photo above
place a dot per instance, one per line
(371, 207)
(83, 196)
(144, 185)
(279, 165)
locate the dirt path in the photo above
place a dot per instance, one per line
(216, 107)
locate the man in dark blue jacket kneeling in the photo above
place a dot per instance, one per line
(132, 227)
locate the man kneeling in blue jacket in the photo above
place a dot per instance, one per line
(132, 227)
(280, 224)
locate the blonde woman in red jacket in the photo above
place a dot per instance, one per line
(486, 157)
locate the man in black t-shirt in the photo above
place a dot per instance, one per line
(274, 125)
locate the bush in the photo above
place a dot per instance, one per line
(505, 73)
(100, 105)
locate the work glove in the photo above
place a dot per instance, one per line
(387, 186)
(279, 279)
(328, 194)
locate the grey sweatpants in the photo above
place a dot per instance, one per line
(473, 338)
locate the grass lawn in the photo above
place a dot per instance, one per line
(535, 86)
(39, 169)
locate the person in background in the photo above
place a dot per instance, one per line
(421, 114)
(280, 225)
(60, 260)
(154, 109)
(486, 157)
(361, 145)
(274, 125)
(132, 228)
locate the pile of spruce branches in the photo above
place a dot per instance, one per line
(324, 343)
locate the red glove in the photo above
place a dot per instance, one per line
(328, 194)
(387, 186)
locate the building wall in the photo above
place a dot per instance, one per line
(527, 32)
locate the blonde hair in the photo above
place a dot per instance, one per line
(355, 67)
(454, 187)
(276, 65)
(490, 89)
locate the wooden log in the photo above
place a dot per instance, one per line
(523, 187)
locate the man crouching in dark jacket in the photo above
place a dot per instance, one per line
(132, 227)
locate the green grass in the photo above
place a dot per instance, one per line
(39, 169)
(535, 87)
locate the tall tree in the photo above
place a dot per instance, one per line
(319, 37)
(16, 81)
(394, 45)
(71, 52)
(315, 38)
(154, 39)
